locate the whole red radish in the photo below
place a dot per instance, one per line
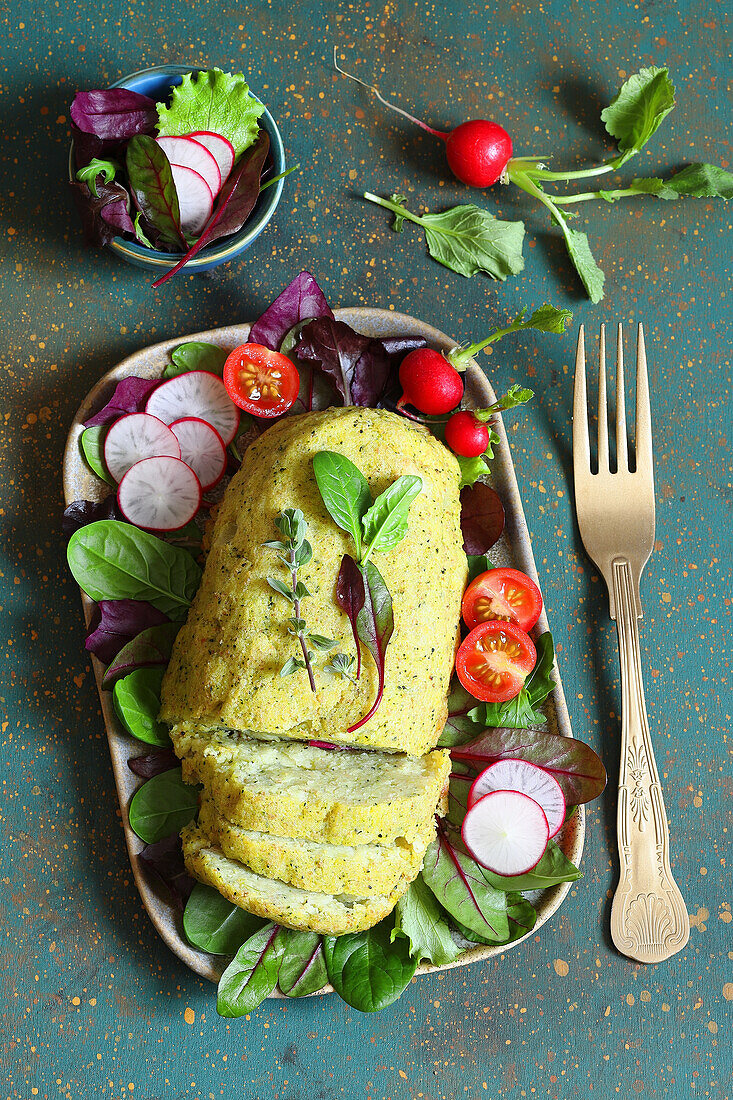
(466, 436)
(478, 151)
(429, 382)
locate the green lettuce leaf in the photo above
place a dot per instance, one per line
(641, 104)
(215, 101)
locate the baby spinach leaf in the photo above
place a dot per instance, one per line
(114, 623)
(419, 917)
(554, 867)
(358, 366)
(460, 886)
(152, 646)
(136, 700)
(578, 770)
(212, 100)
(350, 596)
(521, 916)
(591, 275)
(129, 395)
(344, 490)
(115, 561)
(640, 105)
(303, 968)
(92, 446)
(467, 239)
(482, 518)
(196, 355)
(521, 711)
(214, 924)
(252, 974)
(153, 763)
(374, 625)
(164, 859)
(385, 523)
(163, 805)
(478, 564)
(367, 969)
(302, 300)
(151, 180)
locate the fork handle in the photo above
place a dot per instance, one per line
(649, 920)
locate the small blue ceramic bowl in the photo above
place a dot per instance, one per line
(156, 83)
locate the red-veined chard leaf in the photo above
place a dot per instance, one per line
(151, 181)
(459, 885)
(302, 300)
(367, 969)
(234, 203)
(575, 766)
(153, 763)
(482, 518)
(358, 366)
(129, 396)
(350, 596)
(303, 968)
(374, 624)
(114, 623)
(252, 974)
(152, 646)
(521, 916)
(114, 114)
(164, 859)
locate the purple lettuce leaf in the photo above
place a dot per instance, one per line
(397, 347)
(81, 512)
(129, 396)
(153, 763)
(482, 518)
(164, 858)
(302, 300)
(104, 215)
(234, 204)
(116, 622)
(350, 596)
(115, 114)
(152, 646)
(358, 366)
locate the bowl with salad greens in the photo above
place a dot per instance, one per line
(164, 445)
(175, 168)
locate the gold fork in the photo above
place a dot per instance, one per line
(615, 512)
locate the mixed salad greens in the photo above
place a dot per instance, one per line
(143, 585)
(175, 175)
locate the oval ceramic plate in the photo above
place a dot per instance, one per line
(514, 549)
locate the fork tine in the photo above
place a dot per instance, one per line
(644, 461)
(581, 444)
(602, 403)
(622, 453)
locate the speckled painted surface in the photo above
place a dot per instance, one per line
(92, 1003)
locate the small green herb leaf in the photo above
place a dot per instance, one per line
(163, 805)
(136, 700)
(590, 273)
(419, 917)
(321, 644)
(367, 969)
(385, 523)
(252, 974)
(303, 967)
(281, 588)
(345, 492)
(291, 665)
(196, 355)
(640, 105)
(92, 446)
(111, 560)
(341, 664)
(151, 180)
(514, 396)
(214, 924)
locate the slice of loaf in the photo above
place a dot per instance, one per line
(363, 870)
(289, 789)
(305, 910)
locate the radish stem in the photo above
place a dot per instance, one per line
(586, 196)
(392, 106)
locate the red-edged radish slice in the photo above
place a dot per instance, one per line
(529, 779)
(187, 152)
(506, 832)
(195, 199)
(219, 147)
(201, 448)
(137, 436)
(159, 494)
(197, 393)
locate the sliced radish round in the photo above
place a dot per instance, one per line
(195, 199)
(201, 448)
(159, 494)
(219, 147)
(506, 832)
(197, 393)
(187, 152)
(137, 436)
(529, 779)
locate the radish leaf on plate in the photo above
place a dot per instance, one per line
(214, 101)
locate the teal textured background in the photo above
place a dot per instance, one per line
(92, 1002)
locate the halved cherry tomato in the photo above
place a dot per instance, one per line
(261, 381)
(494, 661)
(504, 594)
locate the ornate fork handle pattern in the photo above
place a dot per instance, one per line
(649, 920)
